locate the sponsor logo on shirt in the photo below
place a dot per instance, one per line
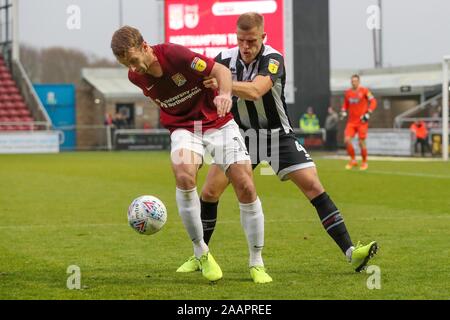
(179, 79)
(198, 64)
(179, 98)
(273, 66)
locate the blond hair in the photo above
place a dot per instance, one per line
(249, 20)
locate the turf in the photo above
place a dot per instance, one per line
(70, 209)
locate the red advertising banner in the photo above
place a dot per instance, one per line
(209, 26)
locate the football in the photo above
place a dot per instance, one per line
(147, 214)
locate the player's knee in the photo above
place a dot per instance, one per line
(210, 194)
(185, 180)
(246, 191)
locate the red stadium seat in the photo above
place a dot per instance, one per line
(8, 104)
(13, 113)
(4, 112)
(20, 105)
(16, 119)
(23, 112)
(5, 76)
(15, 97)
(12, 90)
(27, 119)
(9, 83)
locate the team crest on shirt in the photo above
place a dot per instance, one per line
(179, 79)
(273, 66)
(198, 64)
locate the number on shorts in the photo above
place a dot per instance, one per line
(300, 148)
(241, 145)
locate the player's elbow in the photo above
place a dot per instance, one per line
(254, 94)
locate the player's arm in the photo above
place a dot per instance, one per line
(224, 85)
(372, 106)
(344, 107)
(252, 90)
(270, 69)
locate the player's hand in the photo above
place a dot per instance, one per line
(211, 83)
(342, 115)
(365, 117)
(223, 104)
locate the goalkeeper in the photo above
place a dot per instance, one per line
(359, 103)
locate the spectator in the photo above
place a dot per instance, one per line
(420, 130)
(108, 119)
(120, 121)
(309, 122)
(331, 124)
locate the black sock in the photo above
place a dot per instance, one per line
(209, 217)
(332, 221)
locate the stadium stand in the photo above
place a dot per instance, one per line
(14, 113)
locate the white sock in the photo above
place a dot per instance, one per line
(188, 204)
(348, 253)
(252, 220)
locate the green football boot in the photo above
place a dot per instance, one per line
(191, 265)
(362, 254)
(259, 275)
(210, 269)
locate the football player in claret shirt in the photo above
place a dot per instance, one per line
(198, 120)
(359, 103)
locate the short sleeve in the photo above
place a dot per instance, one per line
(272, 65)
(185, 58)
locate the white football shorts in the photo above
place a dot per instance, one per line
(225, 145)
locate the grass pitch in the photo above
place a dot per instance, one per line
(70, 209)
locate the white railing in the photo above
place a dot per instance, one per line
(402, 117)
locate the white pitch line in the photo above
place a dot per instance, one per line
(409, 174)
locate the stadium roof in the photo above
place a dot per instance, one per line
(408, 80)
(112, 82)
(405, 80)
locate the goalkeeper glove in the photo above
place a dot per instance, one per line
(365, 117)
(342, 114)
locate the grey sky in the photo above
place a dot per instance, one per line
(414, 31)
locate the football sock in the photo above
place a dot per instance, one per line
(332, 221)
(188, 204)
(252, 220)
(209, 217)
(351, 150)
(364, 154)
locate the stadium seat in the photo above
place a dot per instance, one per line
(8, 82)
(8, 104)
(23, 112)
(20, 105)
(5, 76)
(13, 112)
(27, 119)
(15, 97)
(11, 90)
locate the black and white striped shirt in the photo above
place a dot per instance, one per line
(269, 111)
